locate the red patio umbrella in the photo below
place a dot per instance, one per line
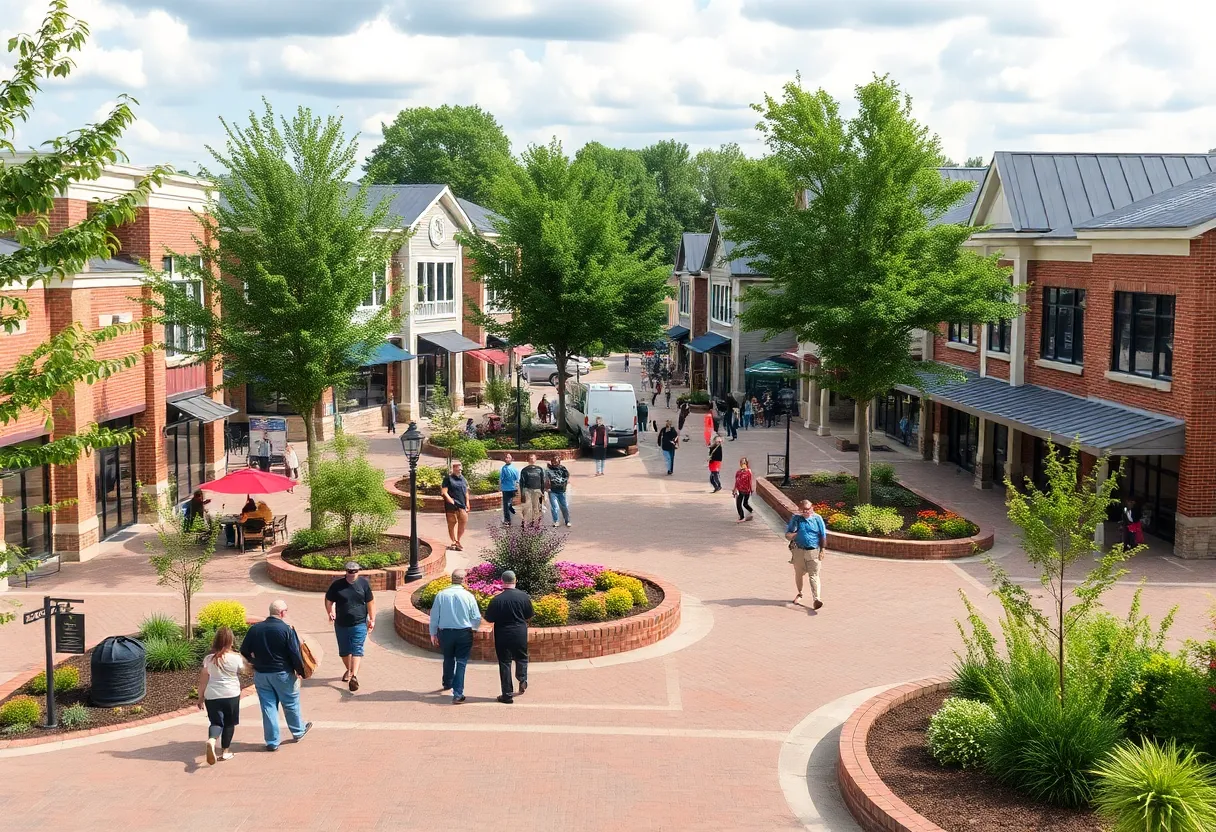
(250, 481)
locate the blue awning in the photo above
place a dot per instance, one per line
(708, 342)
(677, 333)
(387, 352)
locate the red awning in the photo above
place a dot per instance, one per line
(523, 350)
(490, 356)
(794, 354)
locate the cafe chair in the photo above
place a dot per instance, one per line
(254, 529)
(279, 528)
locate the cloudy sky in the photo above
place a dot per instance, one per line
(986, 75)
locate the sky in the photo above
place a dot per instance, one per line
(1053, 75)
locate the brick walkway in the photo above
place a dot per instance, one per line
(688, 740)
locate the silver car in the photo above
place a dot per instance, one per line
(541, 367)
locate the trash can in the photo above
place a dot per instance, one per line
(119, 672)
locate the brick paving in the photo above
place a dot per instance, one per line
(689, 740)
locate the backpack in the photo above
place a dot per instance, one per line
(558, 477)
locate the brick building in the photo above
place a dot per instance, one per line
(165, 395)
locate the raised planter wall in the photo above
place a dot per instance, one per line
(399, 489)
(874, 806)
(501, 456)
(318, 580)
(883, 547)
(556, 644)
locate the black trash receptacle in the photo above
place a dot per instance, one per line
(120, 673)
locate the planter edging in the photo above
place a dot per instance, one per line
(432, 504)
(499, 455)
(287, 574)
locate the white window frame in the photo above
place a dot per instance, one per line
(379, 295)
(721, 303)
(493, 303)
(436, 280)
(180, 339)
(685, 306)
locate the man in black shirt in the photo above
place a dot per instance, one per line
(532, 490)
(351, 608)
(557, 477)
(509, 612)
(669, 440)
(273, 648)
(455, 493)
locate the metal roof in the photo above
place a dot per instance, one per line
(405, 202)
(482, 218)
(691, 256)
(1101, 426)
(1185, 206)
(740, 266)
(960, 212)
(1052, 193)
(97, 264)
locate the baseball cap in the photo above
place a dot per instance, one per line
(351, 566)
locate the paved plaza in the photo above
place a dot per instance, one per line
(727, 725)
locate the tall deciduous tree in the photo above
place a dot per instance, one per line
(717, 171)
(655, 228)
(461, 147)
(863, 265)
(28, 187)
(564, 262)
(298, 251)
(677, 180)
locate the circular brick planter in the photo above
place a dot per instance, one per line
(501, 455)
(884, 547)
(557, 644)
(399, 489)
(318, 580)
(874, 806)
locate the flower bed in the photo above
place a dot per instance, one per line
(399, 489)
(500, 454)
(294, 570)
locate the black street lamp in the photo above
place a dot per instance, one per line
(787, 396)
(411, 443)
(519, 413)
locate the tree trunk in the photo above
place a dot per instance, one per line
(561, 358)
(316, 520)
(1060, 628)
(350, 538)
(863, 451)
(187, 628)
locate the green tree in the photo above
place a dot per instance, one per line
(717, 171)
(28, 187)
(179, 553)
(290, 252)
(863, 265)
(655, 227)
(677, 180)
(564, 260)
(346, 486)
(975, 162)
(461, 147)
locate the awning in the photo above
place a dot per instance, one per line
(450, 340)
(490, 356)
(523, 350)
(708, 342)
(387, 352)
(1100, 426)
(793, 355)
(203, 408)
(771, 369)
(678, 333)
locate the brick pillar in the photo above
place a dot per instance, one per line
(75, 530)
(151, 461)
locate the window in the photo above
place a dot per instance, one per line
(495, 302)
(720, 307)
(24, 526)
(999, 336)
(184, 453)
(258, 401)
(379, 295)
(180, 338)
(960, 333)
(963, 431)
(1064, 325)
(685, 300)
(368, 388)
(1143, 342)
(435, 282)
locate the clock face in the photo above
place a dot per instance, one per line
(437, 231)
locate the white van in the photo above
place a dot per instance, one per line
(616, 403)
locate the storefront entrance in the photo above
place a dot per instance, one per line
(24, 491)
(898, 416)
(963, 431)
(1152, 481)
(115, 473)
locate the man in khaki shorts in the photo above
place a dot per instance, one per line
(807, 535)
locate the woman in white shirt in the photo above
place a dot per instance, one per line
(219, 687)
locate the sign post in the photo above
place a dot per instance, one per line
(69, 636)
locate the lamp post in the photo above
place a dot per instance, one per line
(411, 443)
(519, 412)
(787, 396)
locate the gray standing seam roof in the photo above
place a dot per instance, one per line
(481, 217)
(1053, 193)
(960, 212)
(97, 264)
(691, 256)
(1101, 426)
(405, 202)
(738, 265)
(1186, 206)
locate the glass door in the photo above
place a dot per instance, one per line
(1000, 449)
(115, 485)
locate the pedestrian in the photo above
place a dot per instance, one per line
(731, 414)
(532, 490)
(599, 444)
(711, 427)
(770, 410)
(352, 609)
(262, 450)
(807, 535)
(744, 485)
(626, 362)
(685, 409)
(196, 513)
(291, 461)
(219, 685)
(454, 617)
(509, 611)
(273, 648)
(658, 388)
(470, 429)
(542, 409)
(455, 492)
(667, 393)
(715, 463)
(1133, 531)
(643, 414)
(669, 442)
(747, 413)
(392, 416)
(557, 480)
(508, 484)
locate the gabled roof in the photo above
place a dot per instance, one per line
(691, 255)
(738, 266)
(1185, 206)
(482, 218)
(97, 264)
(960, 212)
(406, 203)
(1052, 193)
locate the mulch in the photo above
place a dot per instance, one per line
(957, 800)
(801, 488)
(654, 597)
(397, 545)
(166, 692)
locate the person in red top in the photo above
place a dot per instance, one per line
(744, 486)
(599, 444)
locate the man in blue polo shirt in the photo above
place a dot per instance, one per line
(508, 484)
(807, 535)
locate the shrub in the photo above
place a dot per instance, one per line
(335, 563)
(1170, 701)
(636, 590)
(840, 522)
(471, 453)
(483, 601)
(169, 654)
(606, 580)
(447, 438)
(549, 442)
(224, 614)
(956, 527)
(159, 625)
(497, 392)
(305, 539)
(882, 474)
(529, 552)
(959, 732)
(1162, 788)
(551, 611)
(822, 478)
(970, 675)
(878, 519)
(17, 728)
(20, 709)
(920, 531)
(430, 477)
(66, 678)
(592, 608)
(618, 601)
(74, 716)
(850, 489)
(893, 495)
(426, 598)
(348, 490)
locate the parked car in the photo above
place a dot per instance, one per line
(616, 403)
(540, 367)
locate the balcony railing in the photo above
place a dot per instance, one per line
(435, 309)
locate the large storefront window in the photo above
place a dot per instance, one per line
(898, 415)
(1063, 325)
(1144, 335)
(115, 473)
(369, 387)
(266, 401)
(184, 452)
(963, 431)
(1152, 481)
(25, 490)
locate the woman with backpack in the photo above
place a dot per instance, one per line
(744, 485)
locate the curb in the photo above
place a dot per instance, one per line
(291, 576)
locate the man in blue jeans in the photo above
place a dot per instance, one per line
(273, 648)
(557, 477)
(508, 484)
(352, 609)
(669, 440)
(454, 617)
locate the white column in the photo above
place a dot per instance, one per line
(1017, 330)
(824, 412)
(1101, 472)
(456, 362)
(812, 402)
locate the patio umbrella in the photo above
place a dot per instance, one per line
(250, 481)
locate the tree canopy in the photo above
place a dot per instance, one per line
(461, 147)
(717, 171)
(864, 263)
